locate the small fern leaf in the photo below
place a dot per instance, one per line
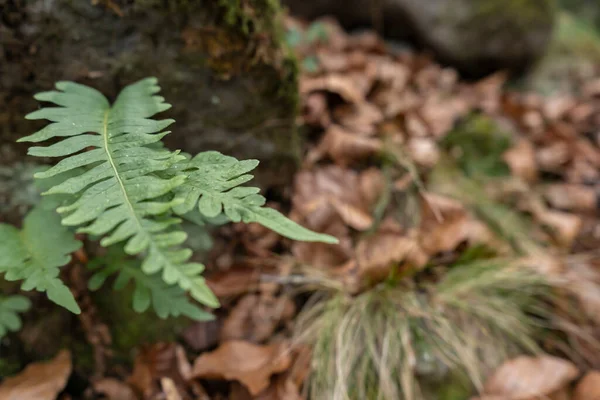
(149, 290)
(10, 307)
(121, 194)
(35, 254)
(213, 187)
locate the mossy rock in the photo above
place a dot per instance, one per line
(475, 36)
(222, 65)
(573, 51)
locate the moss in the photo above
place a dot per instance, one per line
(522, 11)
(130, 329)
(478, 145)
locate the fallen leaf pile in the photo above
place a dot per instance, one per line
(409, 167)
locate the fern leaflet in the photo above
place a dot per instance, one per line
(150, 290)
(10, 307)
(213, 186)
(35, 254)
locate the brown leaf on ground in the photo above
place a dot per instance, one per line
(340, 84)
(170, 389)
(326, 194)
(521, 160)
(255, 318)
(158, 361)
(360, 118)
(378, 254)
(564, 226)
(558, 106)
(315, 111)
(583, 280)
(393, 103)
(322, 255)
(525, 378)
(202, 335)
(345, 147)
(250, 364)
(445, 224)
(440, 114)
(39, 381)
(553, 157)
(415, 126)
(424, 151)
(114, 389)
(571, 197)
(233, 282)
(588, 388)
(392, 75)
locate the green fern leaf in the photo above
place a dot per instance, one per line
(150, 290)
(10, 307)
(35, 254)
(213, 187)
(121, 196)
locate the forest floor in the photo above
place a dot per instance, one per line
(420, 175)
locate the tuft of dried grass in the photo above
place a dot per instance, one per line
(386, 342)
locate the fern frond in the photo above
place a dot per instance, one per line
(35, 254)
(213, 187)
(121, 196)
(10, 307)
(150, 290)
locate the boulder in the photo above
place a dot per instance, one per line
(222, 65)
(475, 36)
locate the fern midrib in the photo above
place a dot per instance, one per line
(116, 171)
(124, 190)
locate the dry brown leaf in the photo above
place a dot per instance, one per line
(553, 156)
(391, 74)
(584, 283)
(250, 364)
(525, 378)
(281, 389)
(445, 224)
(588, 388)
(415, 126)
(114, 389)
(202, 335)
(158, 361)
(39, 381)
(361, 118)
(356, 217)
(233, 282)
(315, 111)
(393, 103)
(340, 84)
(571, 197)
(326, 194)
(521, 160)
(345, 147)
(591, 88)
(170, 390)
(255, 318)
(440, 114)
(558, 106)
(487, 92)
(376, 255)
(565, 227)
(424, 151)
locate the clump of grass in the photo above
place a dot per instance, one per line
(394, 340)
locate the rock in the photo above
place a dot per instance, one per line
(476, 36)
(221, 64)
